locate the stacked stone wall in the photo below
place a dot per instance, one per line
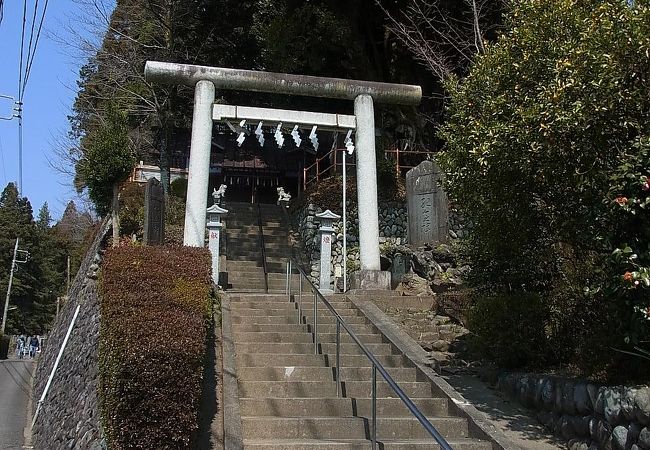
(590, 416)
(393, 231)
(69, 416)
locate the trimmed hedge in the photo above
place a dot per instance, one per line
(155, 307)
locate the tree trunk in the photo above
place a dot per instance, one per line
(115, 215)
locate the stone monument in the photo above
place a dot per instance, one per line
(428, 215)
(154, 213)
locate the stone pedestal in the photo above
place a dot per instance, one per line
(326, 231)
(370, 279)
(214, 226)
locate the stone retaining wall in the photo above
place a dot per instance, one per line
(588, 415)
(69, 417)
(393, 231)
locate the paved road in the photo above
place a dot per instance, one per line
(15, 377)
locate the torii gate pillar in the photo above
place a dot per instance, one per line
(199, 167)
(367, 183)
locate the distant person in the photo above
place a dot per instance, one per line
(33, 346)
(20, 347)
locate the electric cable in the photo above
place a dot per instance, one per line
(22, 46)
(29, 47)
(38, 36)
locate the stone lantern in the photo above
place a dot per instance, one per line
(326, 231)
(214, 226)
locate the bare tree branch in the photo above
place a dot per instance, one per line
(443, 38)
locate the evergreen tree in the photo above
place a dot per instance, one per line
(44, 217)
(42, 277)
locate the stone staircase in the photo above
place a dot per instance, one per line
(243, 248)
(288, 393)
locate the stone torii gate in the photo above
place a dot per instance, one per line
(363, 93)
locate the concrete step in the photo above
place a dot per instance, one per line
(293, 373)
(313, 360)
(247, 288)
(298, 328)
(261, 427)
(256, 259)
(243, 249)
(243, 265)
(276, 282)
(303, 337)
(234, 232)
(279, 298)
(292, 319)
(361, 444)
(253, 237)
(297, 347)
(309, 389)
(325, 407)
(271, 250)
(307, 310)
(344, 311)
(283, 298)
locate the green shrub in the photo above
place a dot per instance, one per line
(548, 148)
(509, 329)
(174, 211)
(132, 209)
(155, 306)
(178, 188)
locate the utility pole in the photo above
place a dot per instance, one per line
(11, 279)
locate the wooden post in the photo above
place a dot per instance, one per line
(115, 215)
(397, 160)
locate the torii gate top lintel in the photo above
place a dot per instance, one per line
(281, 83)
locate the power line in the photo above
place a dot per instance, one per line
(30, 60)
(24, 72)
(29, 49)
(22, 46)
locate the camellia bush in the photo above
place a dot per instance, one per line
(548, 155)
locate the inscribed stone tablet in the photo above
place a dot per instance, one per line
(427, 204)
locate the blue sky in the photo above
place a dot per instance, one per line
(48, 99)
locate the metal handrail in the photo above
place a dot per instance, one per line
(266, 272)
(376, 365)
(308, 179)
